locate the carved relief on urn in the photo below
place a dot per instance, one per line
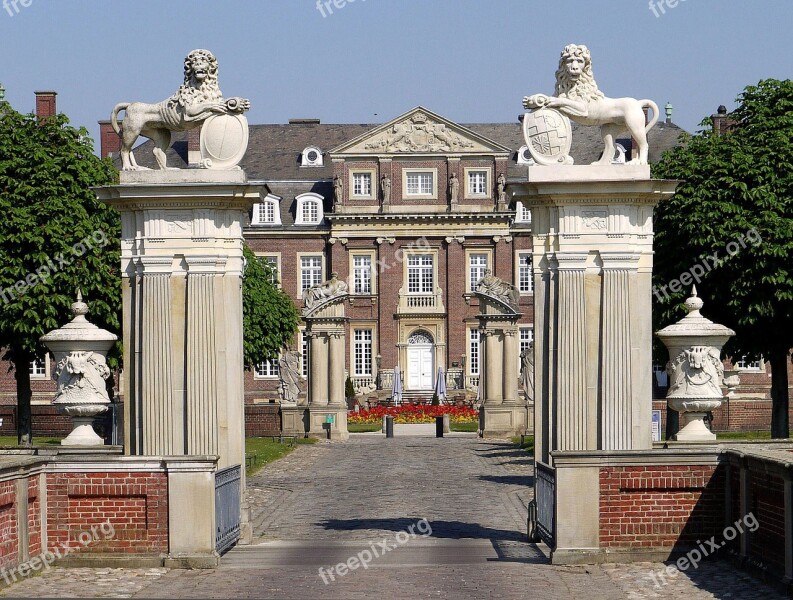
(80, 349)
(696, 373)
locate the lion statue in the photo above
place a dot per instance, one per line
(577, 96)
(197, 99)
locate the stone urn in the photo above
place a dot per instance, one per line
(80, 350)
(696, 373)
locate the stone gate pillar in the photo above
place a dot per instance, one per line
(325, 329)
(503, 412)
(181, 265)
(592, 231)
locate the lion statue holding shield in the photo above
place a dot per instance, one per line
(577, 96)
(197, 99)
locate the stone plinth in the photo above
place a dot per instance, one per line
(293, 420)
(502, 412)
(592, 231)
(325, 329)
(182, 264)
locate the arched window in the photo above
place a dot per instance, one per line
(311, 157)
(309, 209)
(268, 211)
(420, 337)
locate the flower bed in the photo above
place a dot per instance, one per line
(415, 413)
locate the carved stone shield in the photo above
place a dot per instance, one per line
(224, 140)
(548, 136)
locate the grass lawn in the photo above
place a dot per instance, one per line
(527, 445)
(364, 427)
(464, 427)
(265, 450)
(11, 440)
(743, 435)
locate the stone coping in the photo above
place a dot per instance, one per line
(182, 176)
(567, 173)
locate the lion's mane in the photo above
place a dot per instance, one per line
(584, 87)
(190, 91)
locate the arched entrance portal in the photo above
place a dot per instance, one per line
(420, 361)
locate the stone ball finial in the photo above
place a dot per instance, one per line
(79, 309)
(694, 304)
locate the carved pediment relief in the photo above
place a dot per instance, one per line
(420, 131)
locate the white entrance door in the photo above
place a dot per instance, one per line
(420, 367)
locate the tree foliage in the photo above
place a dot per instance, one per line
(55, 237)
(270, 318)
(733, 216)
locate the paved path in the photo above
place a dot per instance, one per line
(326, 503)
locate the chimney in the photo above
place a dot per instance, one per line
(109, 140)
(45, 104)
(194, 146)
(722, 121)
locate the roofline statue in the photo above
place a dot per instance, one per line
(197, 99)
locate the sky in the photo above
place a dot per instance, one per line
(368, 61)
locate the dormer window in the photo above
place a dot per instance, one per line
(268, 211)
(522, 213)
(309, 209)
(311, 157)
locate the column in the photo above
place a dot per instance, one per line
(571, 398)
(336, 369)
(494, 393)
(510, 383)
(318, 378)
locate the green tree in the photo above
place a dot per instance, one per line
(733, 216)
(270, 318)
(55, 237)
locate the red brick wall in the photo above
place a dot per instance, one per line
(767, 503)
(34, 517)
(262, 420)
(135, 503)
(660, 506)
(8, 525)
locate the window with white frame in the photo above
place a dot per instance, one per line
(522, 213)
(477, 183)
(362, 273)
(420, 183)
(477, 265)
(271, 262)
(267, 212)
(309, 209)
(744, 364)
(525, 273)
(38, 368)
(266, 369)
(362, 350)
(362, 184)
(303, 354)
(526, 339)
(310, 271)
(420, 274)
(473, 351)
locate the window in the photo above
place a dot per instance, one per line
(749, 365)
(477, 265)
(38, 368)
(362, 348)
(310, 271)
(420, 274)
(309, 209)
(473, 351)
(362, 184)
(525, 273)
(420, 183)
(267, 212)
(311, 157)
(522, 214)
(477, 183)
(660, 375)
(303, 354)
(362, 274)
(268, 368)
(526, 338)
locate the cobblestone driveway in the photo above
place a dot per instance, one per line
(327, 502)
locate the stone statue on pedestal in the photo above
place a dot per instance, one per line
(319, 293)
(454, 188)
(527, 371)
(498, 288)
(385, 184)
(502, 191)
(577, 97)
(289, 373)
(198, 99)
(338, 190)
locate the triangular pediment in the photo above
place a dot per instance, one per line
(420, 131)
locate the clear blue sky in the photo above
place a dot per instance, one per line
(470, 60)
